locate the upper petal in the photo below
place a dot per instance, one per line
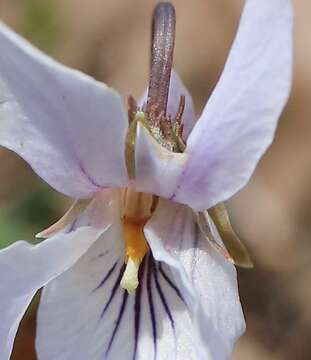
(25, 268)
(239, 120)
(206, 281)
(69, 127)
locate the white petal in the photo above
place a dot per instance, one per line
(206, 281)
(70, 128)
(85, 314)
(78, 311)
(25, 268)
(165, 327)
(157, 169)
(239, 120)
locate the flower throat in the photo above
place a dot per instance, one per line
(139, 207)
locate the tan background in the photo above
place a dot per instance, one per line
(109, 39)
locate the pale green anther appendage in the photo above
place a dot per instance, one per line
(130, 142)
(233, 244)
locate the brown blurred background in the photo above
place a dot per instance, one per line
(109, 39)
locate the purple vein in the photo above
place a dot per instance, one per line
(150, 271)
(109, 273)
(137, 309)
(169, 281)
(116, 286)
(118, 321)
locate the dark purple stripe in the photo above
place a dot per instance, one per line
(169, 281)
(163, 300)
(151, 269)
(137, 306)
(118, 321)
(114, 290)
(109, 273)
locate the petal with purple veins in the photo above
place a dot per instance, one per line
(70, 128)
(206, 282)
(85, 314)
(82, 313)
(25, 268)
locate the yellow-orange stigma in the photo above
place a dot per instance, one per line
(137, 210)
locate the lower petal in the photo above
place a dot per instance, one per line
(25, 268)
(206, 281)
(85, 314)
(82, 309)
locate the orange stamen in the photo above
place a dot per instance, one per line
(135, 242)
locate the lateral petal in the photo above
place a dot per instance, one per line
(205, 280)
(239, 120)
(78, 310)
(25, 268)
(70, 128)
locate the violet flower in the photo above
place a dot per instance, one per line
(149, 186)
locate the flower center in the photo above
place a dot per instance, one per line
(137, 209)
